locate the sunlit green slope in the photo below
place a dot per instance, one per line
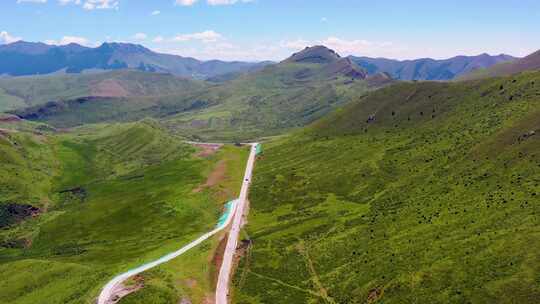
(417, 193)
(78, 208)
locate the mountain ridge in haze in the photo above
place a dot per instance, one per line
(23, 58)
(528, 63)
(428, 68)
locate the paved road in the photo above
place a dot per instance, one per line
(222, 289)
(107, 295)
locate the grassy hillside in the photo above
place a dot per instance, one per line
(192, 277)
(275, 99)
(16, 93)
(417, 193)
(92, 110)
(264, 102)
(268, 101)
(79, 208)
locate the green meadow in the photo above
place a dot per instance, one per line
(416, 193)
(267, 102)
(192, 276)
(366, 191)
(111, 197)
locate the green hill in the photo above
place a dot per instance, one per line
(20, 92)
(78, 208)
(280, 97)
(270, 101)
(276, 98)
(416, 193)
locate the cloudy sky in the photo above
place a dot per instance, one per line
(272, 29)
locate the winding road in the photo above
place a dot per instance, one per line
(108, 293)
(234, 213)
(222, 289)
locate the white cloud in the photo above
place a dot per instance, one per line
(140, 36)
(158, 39)
(100, 4)
(296, 44)
(356, 47)
(212, 45)
(155, 13)
(31, 1)
(324, 19)
(392, 50)
(227, 50)
(224, 52)
(5, 37)
(346, 47)
(206, 37)
(66, 2)
(91, 4)
(185, 2)
(226, 2)
(211, 2)
(69, 39)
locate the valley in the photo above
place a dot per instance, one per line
(266, 102)
(86, 185)
(301, 167)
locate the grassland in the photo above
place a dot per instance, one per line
(110, 197)
(271, 101)
(267, 102)
(417, 193)
(10, 102)
(21, 92)
(192, 276)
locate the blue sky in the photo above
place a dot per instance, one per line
(273, 29)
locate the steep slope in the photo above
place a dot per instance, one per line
(315, 54)
(334, 65)
(418, 192)
(430, 69)
(78, 208)
(26, 58)
(529, 63)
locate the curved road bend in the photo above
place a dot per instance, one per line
(107, 294)
(222, 289)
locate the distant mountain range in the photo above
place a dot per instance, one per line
(28, 58)
(430, 69)
(528, 63)
(35, 58)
